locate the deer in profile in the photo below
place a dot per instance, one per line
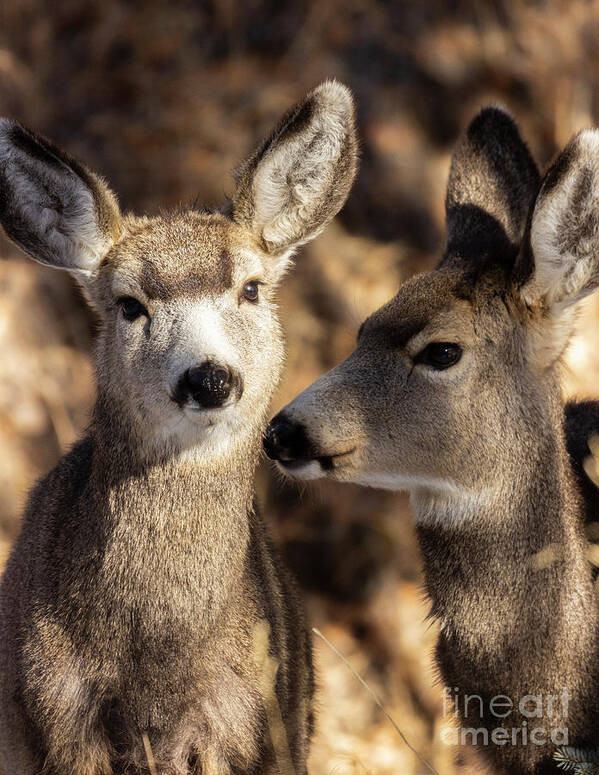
(130, 603)
(453, 393)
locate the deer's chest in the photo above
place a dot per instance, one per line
(195, 697)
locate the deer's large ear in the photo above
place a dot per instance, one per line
(299, 178)
(492, 185)
(51, 206)
(563, 245)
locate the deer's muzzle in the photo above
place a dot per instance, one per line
(287, 442)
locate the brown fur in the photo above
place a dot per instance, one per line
(480, 444)
(137, 593)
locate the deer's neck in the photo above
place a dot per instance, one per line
(173, 528)
(507, 574)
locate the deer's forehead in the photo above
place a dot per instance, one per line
(190, 256)
(428, 303)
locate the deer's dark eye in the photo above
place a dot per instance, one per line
(132, 309)
(250, 291)
(439, 355)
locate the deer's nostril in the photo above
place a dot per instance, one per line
(209, 384)
(221, 377)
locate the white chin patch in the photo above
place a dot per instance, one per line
(205, 433)
(311, 469)
(384, 481)
(207, 417)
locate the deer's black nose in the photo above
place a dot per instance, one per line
(210, 384)
(286, 440)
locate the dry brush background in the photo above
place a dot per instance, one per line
(164, 99)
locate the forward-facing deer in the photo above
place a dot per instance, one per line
(133, 595)
(453, 392)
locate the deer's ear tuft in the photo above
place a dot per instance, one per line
(297, 180)
(564, 229)
(51, 206)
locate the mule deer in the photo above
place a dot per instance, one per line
(453, 393)
(142, 577)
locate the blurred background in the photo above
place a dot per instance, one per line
(164, 99)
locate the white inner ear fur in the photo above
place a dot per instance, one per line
(292, 178)
(563, 274)
(73, 236)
